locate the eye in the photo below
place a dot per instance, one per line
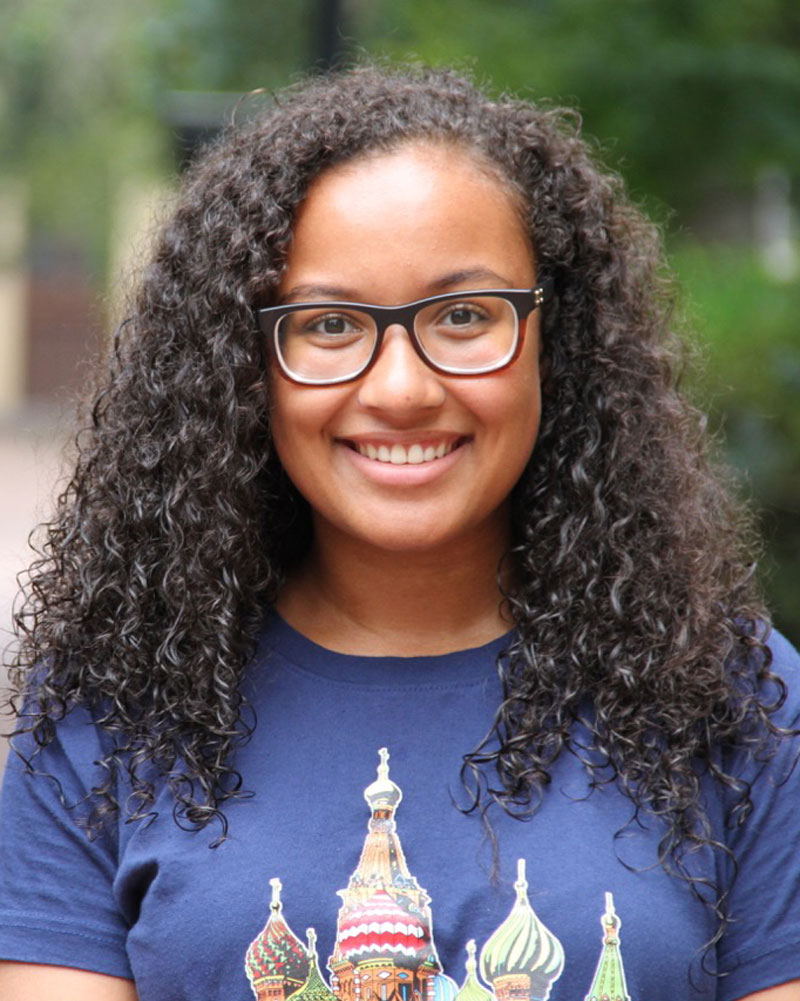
(459, 320)
(325, 328)
(331, 325)
(462, 314)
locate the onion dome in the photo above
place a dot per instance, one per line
(523, 946)
(471, 989)
(444, 988)
(381, 928)
(383, 794)
(277, 952)
(609, 978)
(315, 988)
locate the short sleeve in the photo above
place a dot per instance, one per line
(761, 946)
(57, 903)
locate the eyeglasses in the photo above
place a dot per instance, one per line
(459, 333)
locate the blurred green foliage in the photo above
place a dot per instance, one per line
(690, 100)
(748, 329)
(695, 95)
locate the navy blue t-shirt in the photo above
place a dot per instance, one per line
(352, 873)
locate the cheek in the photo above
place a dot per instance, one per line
(524, 421)
(287, 425)
(519, 397)
(528, 394)
(515, 418)
(299, 417)
(279, 417)
(509, 412)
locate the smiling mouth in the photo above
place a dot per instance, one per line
(403, 455)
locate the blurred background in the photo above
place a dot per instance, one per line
(695, 102)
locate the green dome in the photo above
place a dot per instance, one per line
(471, 989)
(523, 945)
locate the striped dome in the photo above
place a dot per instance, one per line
(381, 928)
(523, 945)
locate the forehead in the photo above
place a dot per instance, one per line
(440, 151)
(409, 160)
(404, 214)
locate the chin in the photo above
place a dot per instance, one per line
(416, 542)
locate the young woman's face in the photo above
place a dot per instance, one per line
(390, 229)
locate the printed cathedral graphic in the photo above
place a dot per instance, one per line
(384, 948)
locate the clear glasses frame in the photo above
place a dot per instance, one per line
(523, 301)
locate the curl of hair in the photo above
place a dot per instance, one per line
(631, 570)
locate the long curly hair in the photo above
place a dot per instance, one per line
(632, 563)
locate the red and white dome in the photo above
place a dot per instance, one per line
(380, 927)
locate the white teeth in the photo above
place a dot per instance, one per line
(399, 455)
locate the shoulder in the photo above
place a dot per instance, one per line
(785, 666)
(784, 655)
(75, 739)
(762, 764)
(763, 680)
(761, 940)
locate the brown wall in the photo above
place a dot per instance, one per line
(63, 312)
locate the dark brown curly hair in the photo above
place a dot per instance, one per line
(632, 563)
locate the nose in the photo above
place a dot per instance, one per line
(399, 380)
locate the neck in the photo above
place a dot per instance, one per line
(356, 599)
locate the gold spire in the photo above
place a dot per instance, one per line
(383, 794)
(382, 861)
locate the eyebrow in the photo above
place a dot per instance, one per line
(322, 291)
(470, 274)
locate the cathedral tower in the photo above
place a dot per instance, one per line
(384, 947)
(609, 978)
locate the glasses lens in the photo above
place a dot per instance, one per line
(319, 344)
(473, 334)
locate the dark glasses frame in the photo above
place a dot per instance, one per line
(524, 302)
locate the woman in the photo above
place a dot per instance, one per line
(390, 470)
